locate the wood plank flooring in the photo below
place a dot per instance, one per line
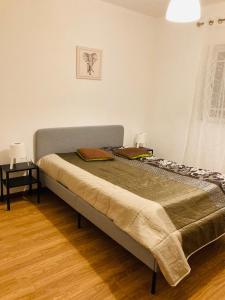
(44, 256)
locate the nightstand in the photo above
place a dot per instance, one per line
(12, 182)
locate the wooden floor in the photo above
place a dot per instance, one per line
(44, 256)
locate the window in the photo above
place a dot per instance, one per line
(216, 86)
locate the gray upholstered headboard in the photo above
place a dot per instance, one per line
(69, 139)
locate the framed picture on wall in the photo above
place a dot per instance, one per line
(89, 63)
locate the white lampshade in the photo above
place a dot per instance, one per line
(141, 139)
(17, 151)
(183, 11)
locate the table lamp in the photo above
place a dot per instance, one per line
(17, 152)
(141, 139)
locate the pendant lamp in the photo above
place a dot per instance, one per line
(183, 11)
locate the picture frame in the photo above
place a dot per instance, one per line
(88, 63)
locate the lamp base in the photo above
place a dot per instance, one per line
(138, 145)
(14, 160)
(11, 163)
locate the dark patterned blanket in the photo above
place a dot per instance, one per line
(201, 174)
(181, 169)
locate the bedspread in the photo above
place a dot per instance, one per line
(171, 215)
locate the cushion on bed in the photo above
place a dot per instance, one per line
(93, 154)
(132, 153)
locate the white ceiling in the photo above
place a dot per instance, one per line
(155, 8)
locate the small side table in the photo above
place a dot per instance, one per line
(12, 182)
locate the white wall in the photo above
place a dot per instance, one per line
(177, 61)
(37, 73)
(149, 71)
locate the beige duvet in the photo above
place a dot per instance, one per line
(145, 221)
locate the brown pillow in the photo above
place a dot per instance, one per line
(132, 153)
(93, 154)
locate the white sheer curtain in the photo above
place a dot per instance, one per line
(205, 146)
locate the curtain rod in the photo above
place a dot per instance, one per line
(210, 22)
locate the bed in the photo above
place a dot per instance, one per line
(67, 140)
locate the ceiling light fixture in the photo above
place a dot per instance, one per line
(183, 11)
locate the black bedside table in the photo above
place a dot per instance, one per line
(20, 180)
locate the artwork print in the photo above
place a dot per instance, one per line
(89, 63)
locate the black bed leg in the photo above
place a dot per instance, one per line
(154, 279)
(78, 220)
